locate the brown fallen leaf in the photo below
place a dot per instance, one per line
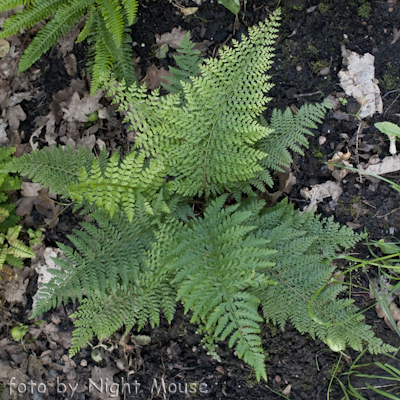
(67, 41)
(154, 77)
(14, 115)
(3, 134)
(220, 370)
(71, 64)
(319, 192)
(35, 368)
(14, 291)
(341, 115)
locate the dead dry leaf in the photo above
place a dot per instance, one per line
(173, 38)
(189, 10)
(47, 263)
(341, 115)
(87, 141)
(67, 41)
(70, 64)
(14, 291)
(154, 77)
(220, 370)
(30, 189)
(319, 192)
(3, 134)
(388, 164)
(101, 375)
(25, 206)
(287, 390)
(14, 115)
(353, 225)
(78, 109)
(359, 82)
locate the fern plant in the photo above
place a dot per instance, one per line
(12, 250)
(106, 25)
(145, 248)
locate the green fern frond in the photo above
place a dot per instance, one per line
(200, 131)
(11, 4)
(122, 55)
(131, 7)
(90, 17)
(104, 256)
(56, 168)
(14, 261)
(67, 15)
(142, 303)
(10, 245)
(118, 186)
(306, 246)
(3, 214)
(111, 12)
(27, 17)
(289, 133)
(215, 260)
(100, 61)
(188, 62)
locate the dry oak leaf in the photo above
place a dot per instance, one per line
(78, 109)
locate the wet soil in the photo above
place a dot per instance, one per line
(310, 40)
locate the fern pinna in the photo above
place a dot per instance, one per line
(107, 22)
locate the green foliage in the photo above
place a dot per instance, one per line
(189, 66)
(199, 131)
(232, 5)
(215, 261)
(106, 25)
(305, 246)
(146, 248)
(12, 250)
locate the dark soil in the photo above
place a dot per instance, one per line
(308, 42)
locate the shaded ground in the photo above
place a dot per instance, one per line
(309, 42)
